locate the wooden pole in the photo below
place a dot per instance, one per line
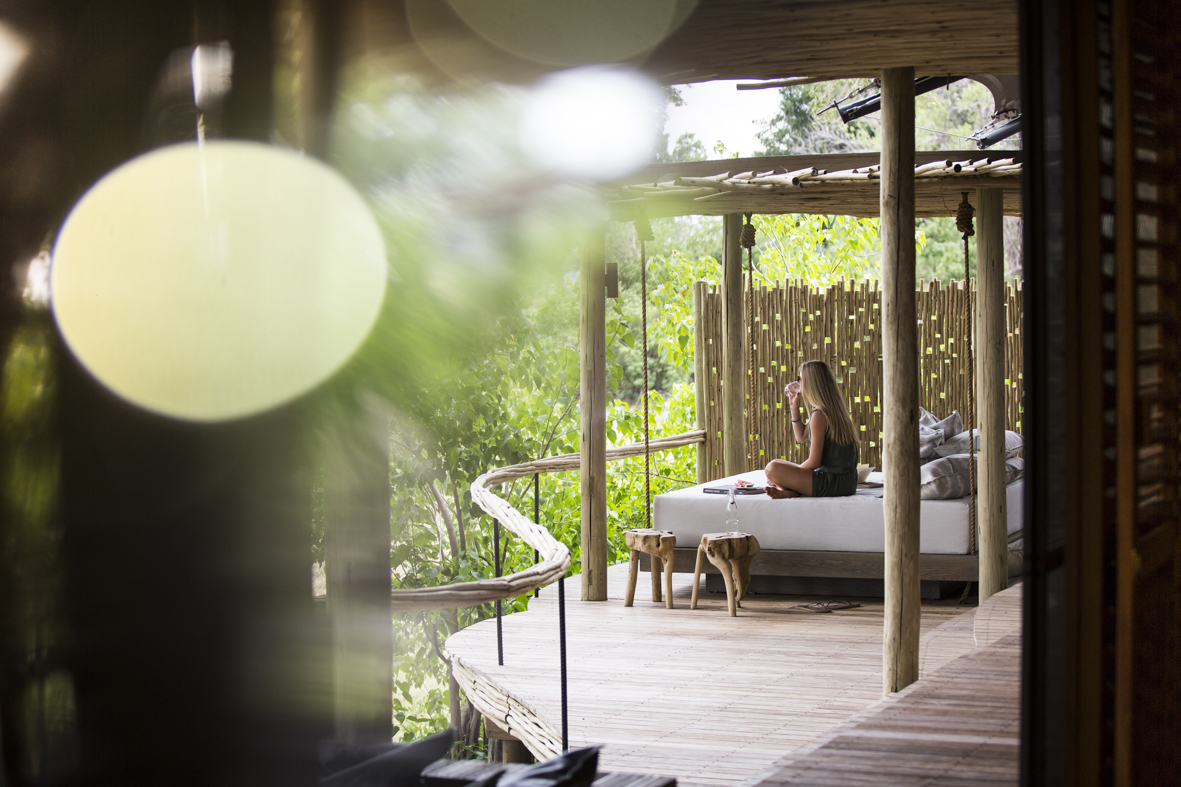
(593, 345)
(700, 377)
(733, 354)
(990, 391)
(900, 378)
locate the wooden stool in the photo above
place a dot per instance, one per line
(727, 551)
(659, 545)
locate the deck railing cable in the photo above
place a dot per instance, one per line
(499, 602)
(562, 647)
(536, 519)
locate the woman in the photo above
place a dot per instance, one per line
(831, 467)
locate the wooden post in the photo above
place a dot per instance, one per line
(990, 392)
(900, 394)
(357, 568)
(593, 345)
(700, 377)
(733, 354)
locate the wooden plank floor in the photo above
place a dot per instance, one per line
(959, 726)
(689, 693)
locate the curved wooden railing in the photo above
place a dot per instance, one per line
(555, 556)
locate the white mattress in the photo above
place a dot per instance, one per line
(830, 524)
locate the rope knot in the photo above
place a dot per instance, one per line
(643, 229)
(963, 217)
(748, 234)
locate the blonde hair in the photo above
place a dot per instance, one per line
(821, 393)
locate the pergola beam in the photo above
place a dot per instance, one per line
(648, 192)
(900, 377)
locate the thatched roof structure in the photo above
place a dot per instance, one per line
(840, 184)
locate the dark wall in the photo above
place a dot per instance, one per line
(168, 636)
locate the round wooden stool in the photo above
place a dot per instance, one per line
(658, 544)
(729, 552)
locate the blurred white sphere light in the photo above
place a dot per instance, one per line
(592, 124)
(217, 281)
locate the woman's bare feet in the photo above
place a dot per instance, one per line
(779, 493)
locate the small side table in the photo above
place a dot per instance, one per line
(729, 552)
(658, 544)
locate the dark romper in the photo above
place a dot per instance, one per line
(837, 474)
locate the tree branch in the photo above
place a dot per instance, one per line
(448, 521)
(459, 515)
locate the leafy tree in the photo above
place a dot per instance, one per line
(687, 147)
(805, 124)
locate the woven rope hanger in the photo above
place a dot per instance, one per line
(747, 241)
(644, 234)
(963, 224)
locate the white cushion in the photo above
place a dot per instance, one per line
(930, 439)
(950, 477)
(950, 426)
(1014, 444)
(946, 478)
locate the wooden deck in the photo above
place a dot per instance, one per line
(959, 726)
(690, 693)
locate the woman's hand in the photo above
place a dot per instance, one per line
(792, 390)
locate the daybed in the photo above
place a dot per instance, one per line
(829, 545)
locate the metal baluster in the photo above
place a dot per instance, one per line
(499, 629)
(536, 519)
(562, 646)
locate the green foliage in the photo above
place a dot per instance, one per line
(687, 147)
(798, 129)
(943, 257)
(818, 249)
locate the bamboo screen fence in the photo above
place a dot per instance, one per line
(839, 324)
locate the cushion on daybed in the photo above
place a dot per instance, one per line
(930, 439)
(950, 477)
(950, 426)
(1014, 444)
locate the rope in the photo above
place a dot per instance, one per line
(963, 224)
(644, 233)
(747, 240)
